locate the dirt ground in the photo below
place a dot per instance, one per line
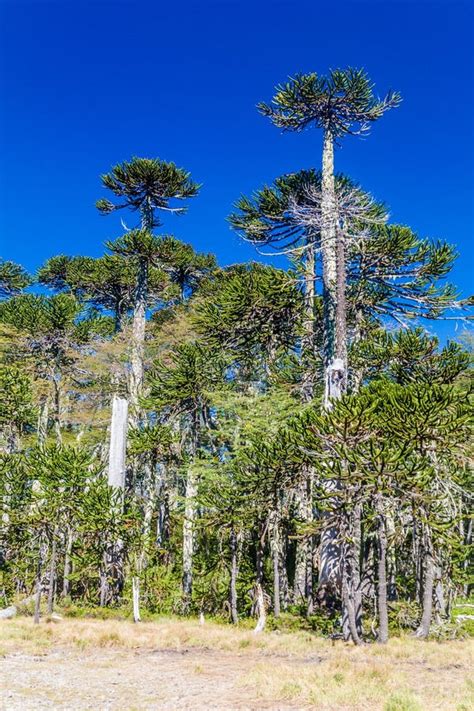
(173, 665)
(164, 679)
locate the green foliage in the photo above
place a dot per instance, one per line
(146, 185)
(342, 102)
(13, 279)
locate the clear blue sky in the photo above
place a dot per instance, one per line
(85, 85)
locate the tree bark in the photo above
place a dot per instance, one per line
(188, 537)
(38, 590)
(275, 549)
(118, 442)
(382, 573)
(43, 416)
(428, 584)
(52, 576)
(234, 572)
(57, 408)
(307, 342)
(67, 564)
(136, 598)
(138, 340)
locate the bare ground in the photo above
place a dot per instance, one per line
(83, 664)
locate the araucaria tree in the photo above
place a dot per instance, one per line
(340, 104)
(148, 187)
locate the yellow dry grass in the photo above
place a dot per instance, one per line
(272, 670)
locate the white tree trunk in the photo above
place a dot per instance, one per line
(138, 341)
(262, 614)
(118, 442)
(136, 599)
(188, 536)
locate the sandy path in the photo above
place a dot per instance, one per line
(125, 680)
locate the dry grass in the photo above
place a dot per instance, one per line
(273, 670)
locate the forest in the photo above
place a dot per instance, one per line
(267, 446)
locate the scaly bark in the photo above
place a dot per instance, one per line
(382, 636)
(428, 584)
(138, 340)
(234, 572)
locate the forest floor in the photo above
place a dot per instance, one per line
(179, 664)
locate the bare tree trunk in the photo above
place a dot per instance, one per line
(39, 574)
(350, 579)
(136, 598)
(356, 572)
(104, 584)
(382, 574)
(188, 537)
(57, 407)
(234, 572)
(118, 442)
(331, 283)
(275, 549)
(67, 564)
(307, 343)
(262, 615)
(42, 428)
(428, 584)
(138, 341)
(304, 553)
(52, 576)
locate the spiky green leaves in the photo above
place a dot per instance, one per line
(340, 103)
(13, 279)
(249, 308)
(266, 218)
(147, 185)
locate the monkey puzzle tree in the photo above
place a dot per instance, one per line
(341, 103)
(148, 186)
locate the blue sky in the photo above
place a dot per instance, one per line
(84, 85)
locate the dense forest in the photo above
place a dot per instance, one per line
(283, 444)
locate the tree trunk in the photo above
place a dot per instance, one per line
(42, 428)
(259, 594)
(303, 587)
(52, 576)
(57, 407)
(356, 572)
(234, 572)
(138, 340)
(350, 577)
(67, 564)
(275, 549)
(307, 341)
(260, 604)
(118, 442)
(188, 537)
(39, 574)
(428, 584)
(382, 574)
(136, 598)
(329, 255)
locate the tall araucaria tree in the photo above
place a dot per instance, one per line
(341, 103)
(148, 186)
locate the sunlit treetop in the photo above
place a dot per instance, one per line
(146, 185)
(340, 103)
